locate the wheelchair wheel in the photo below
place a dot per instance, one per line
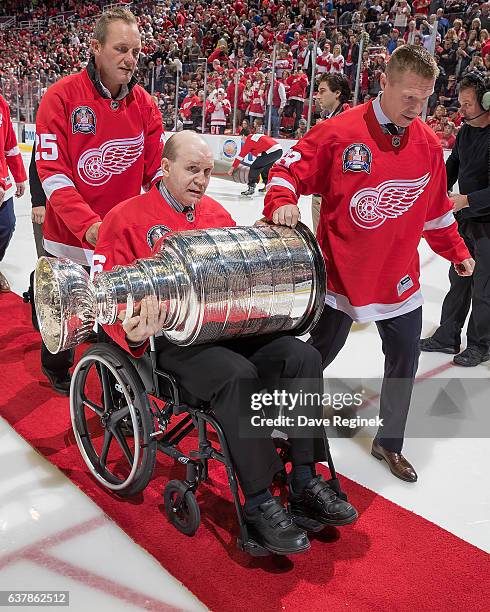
(112, 420)
(181, 507)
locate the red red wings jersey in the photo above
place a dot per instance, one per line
(187, 104)
(297, 86)
(337, 64)
(256, 144)
(257, 103)
(129, 229)
(10, 156)
(92, 152)
(219, 111)
(324, 63)
(380, 195)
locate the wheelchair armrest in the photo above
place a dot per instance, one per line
(144, 367)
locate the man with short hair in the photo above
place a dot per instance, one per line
(298, 84)
(380, 172)
(469, 165)
(332, 96)
(215, 372)
(186, 107)
(99, 139)
(276, 101)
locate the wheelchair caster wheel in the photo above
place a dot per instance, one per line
(181, 507)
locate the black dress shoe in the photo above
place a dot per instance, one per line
(61, 384)
(318, 505)
(397, 463)
(430, 345)
(471, 357)
(272, 527)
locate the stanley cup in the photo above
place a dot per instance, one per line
(212, 285)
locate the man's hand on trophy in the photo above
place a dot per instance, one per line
(93, 233)
(147, 323)
(287, 215)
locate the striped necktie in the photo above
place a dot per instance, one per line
(393, 129)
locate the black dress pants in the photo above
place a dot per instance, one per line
(297, 107)
(400, 341)
(262, 166)
(215, 373)
(469, 291)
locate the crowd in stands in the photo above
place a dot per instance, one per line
(231, 44)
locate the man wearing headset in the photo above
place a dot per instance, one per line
(469, 165)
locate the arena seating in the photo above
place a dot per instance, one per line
(44, 41)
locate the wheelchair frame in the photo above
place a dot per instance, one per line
(179, 495)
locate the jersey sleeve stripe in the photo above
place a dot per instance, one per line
(12, 152)
(444, 220)
(57, 181)
(280, 182)
(78, 255)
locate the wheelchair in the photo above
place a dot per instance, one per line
(121, 411)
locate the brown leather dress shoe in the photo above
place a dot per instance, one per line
(397, 463)
(4, 284)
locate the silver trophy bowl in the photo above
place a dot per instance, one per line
(212, 285)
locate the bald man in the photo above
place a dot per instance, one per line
(215, 373)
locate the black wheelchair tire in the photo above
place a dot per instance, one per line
(181, 507)
(114, 356)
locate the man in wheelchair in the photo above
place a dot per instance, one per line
(214, 372)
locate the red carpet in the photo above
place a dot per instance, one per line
(390, 560)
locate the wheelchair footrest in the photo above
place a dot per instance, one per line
(252, 548)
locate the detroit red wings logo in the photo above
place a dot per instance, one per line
(371, 207)
(97, 166)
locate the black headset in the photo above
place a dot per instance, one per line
(482, 89)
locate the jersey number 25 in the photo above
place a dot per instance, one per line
(46, 147)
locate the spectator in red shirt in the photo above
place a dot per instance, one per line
(298, 83)
(421, 8)
(447, 136)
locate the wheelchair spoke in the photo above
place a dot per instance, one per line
(124, 445)
(108, 435)
(119, 414)
(99, 411)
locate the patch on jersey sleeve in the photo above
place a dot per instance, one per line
(357, 158)
(155, 233)
(290, 157)
(83, 120)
